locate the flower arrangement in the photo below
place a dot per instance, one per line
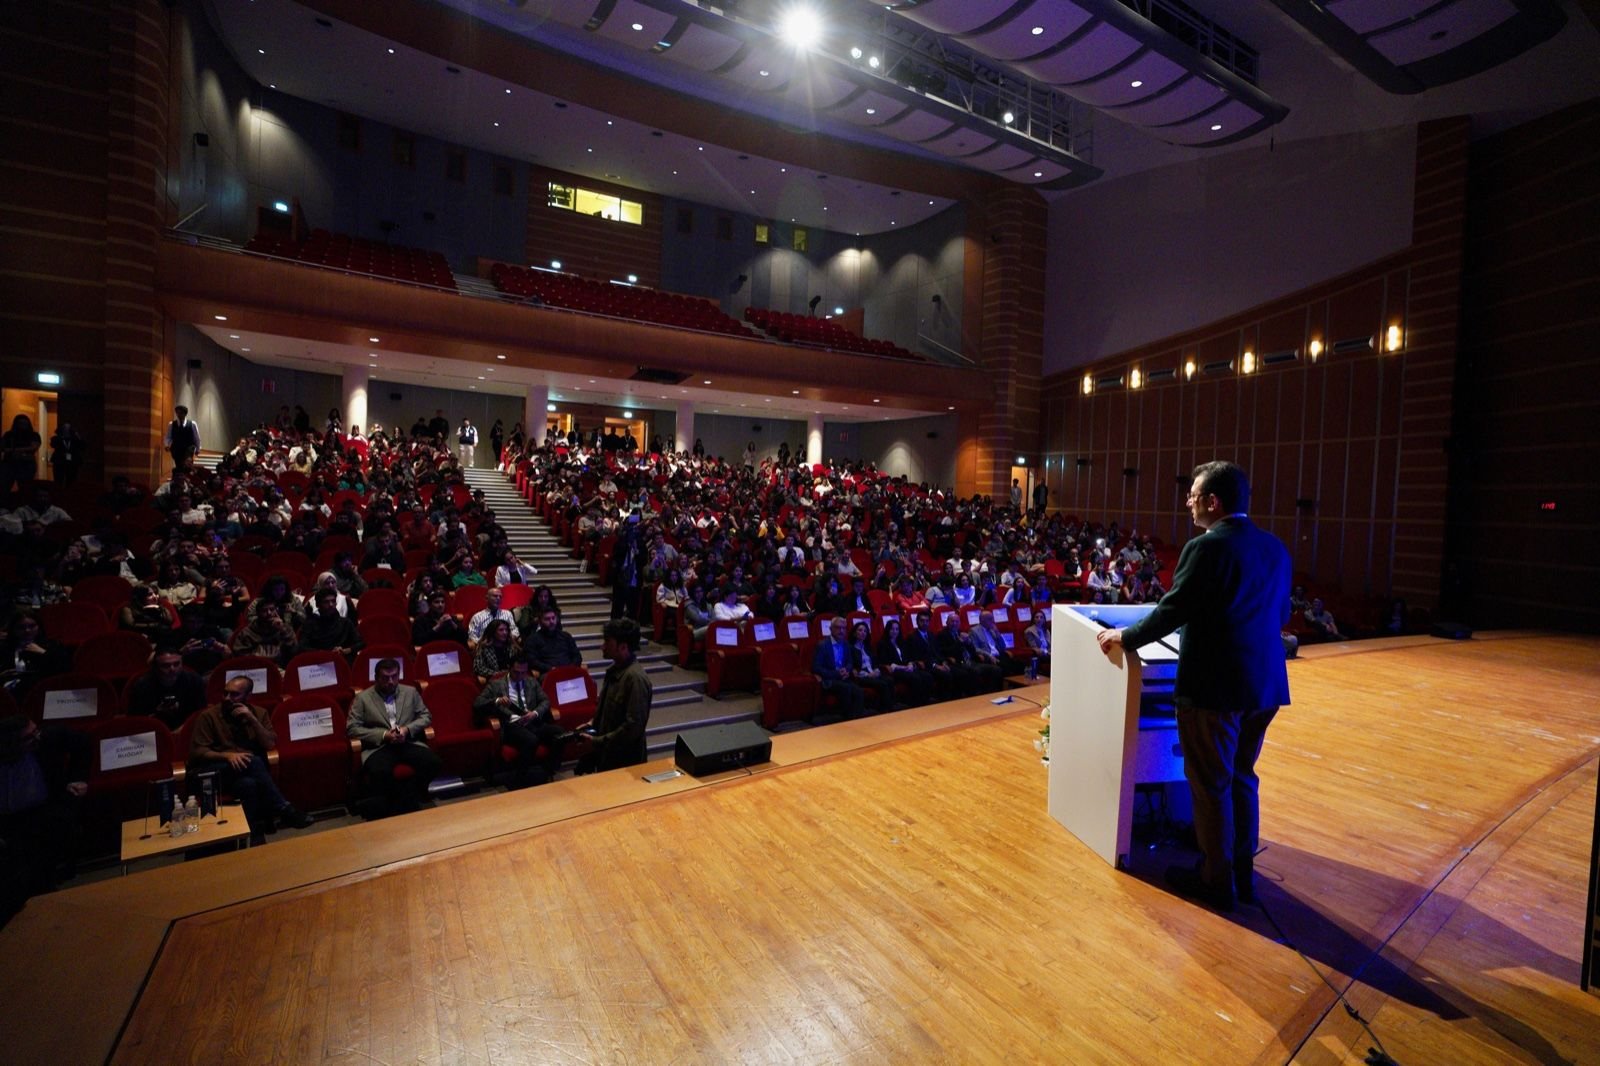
(1042, 744)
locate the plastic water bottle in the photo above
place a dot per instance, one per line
(191, 816)
(175, 823)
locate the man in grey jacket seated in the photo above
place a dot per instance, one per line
(527, 723)
(391, 721)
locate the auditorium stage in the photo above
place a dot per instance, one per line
(891, 890)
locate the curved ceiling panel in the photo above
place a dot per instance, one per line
(566, 12)
(1184, 100)
(1090, 56)
(820, 92)
(870, 109)
(1039, 172)
(1440, 30)
(1233, 119)
(1407, 46)
(960, 142)
(915, 126)
(1002, 157)
(763, 72)
(1139, 80)
(1107, 55)
(1365, 16)
(652, 24)
(957, 16)
(703, 48)
(1029, 33)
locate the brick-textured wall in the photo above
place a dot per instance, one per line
(138, 359)
(83, 98)
(1346, 453)
(1007, 228)
(1525, 492)
(593, 247)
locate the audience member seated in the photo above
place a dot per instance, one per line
(549, 645)
(391, 721)
(492, 612)
(1037, 636)
(432, 621)
(27, 655)
(43, 778)
(1321, 622)
(894, 660)
(269, 635)
(513, 571)
(729, 608)
(990, 646)
(327, 629)
(864, 669)
(527, 723)
(496, 651)
(143, 613)
(972, 673)
(231, 739)
(831, 662)
(167, 691)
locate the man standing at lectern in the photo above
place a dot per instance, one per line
(1230, 594)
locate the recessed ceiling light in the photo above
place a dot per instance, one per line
(1038, 173)
(589, 150)
(1215, 126)
(1009, 117)
(872, 111)
(501, 356)
(261, 51)
(391, 51)
(877, 401)
(473, 387)
(1037, 30)
(700, 148)
(555, 264)
(952, 407)
(244, 349)
(1135, 83)
(768, 400)
(481, 377)
(508, 92)
(274, 85)
(372, 340)
(591, 381)
(220, 318)
(706, 381)
(497, 125)
(610, 123)
(233, 336)
(638, 26)
(794, 392)
(765, 73)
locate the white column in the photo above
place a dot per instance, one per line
(814, 439)
(356, 380)
(683, 435)
(535, 409)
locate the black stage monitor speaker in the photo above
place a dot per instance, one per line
(715, 748)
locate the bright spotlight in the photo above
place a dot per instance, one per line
(873, 62)
(801, 27)
(1009, 117)
(855, 52)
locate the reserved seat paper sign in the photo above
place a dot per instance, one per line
(727, 638)
(257, 676)
(316, 675)
(121, 753)
(443, 662)
(307, 725)
(573, 691)
(71, 703)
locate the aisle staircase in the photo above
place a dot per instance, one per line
(680, 701)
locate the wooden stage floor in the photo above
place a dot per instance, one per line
(891, 891)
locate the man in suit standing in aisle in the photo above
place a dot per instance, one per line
(391, 721)
(1230, 594)
(467, 438)
(183, 438)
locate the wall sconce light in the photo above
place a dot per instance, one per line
(1315, 348)
(1135, 378)
(1247, 363)
(1391, 339)
(1088, 384)
(1188, 369)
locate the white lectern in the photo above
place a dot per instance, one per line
(1112, 725)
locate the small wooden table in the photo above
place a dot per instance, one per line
(229, 825)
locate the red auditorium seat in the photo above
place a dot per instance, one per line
(466, 746)
(313, 751)
(74, 699)
(788, 688)
(115, 656)
(312, 671)
(263, 673)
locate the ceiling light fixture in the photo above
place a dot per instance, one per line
(1009, 117)
(801, 27)
(555, 264)
(638, 27)
(1215, 126)
(873, 62)
(220, 318)
(1135, 83)
(372, 340)
(1037, 30)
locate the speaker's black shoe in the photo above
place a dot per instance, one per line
(1187, 882)
(1244, 884)
(294, 818)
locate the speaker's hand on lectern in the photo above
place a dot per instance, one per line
(1109, 639)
